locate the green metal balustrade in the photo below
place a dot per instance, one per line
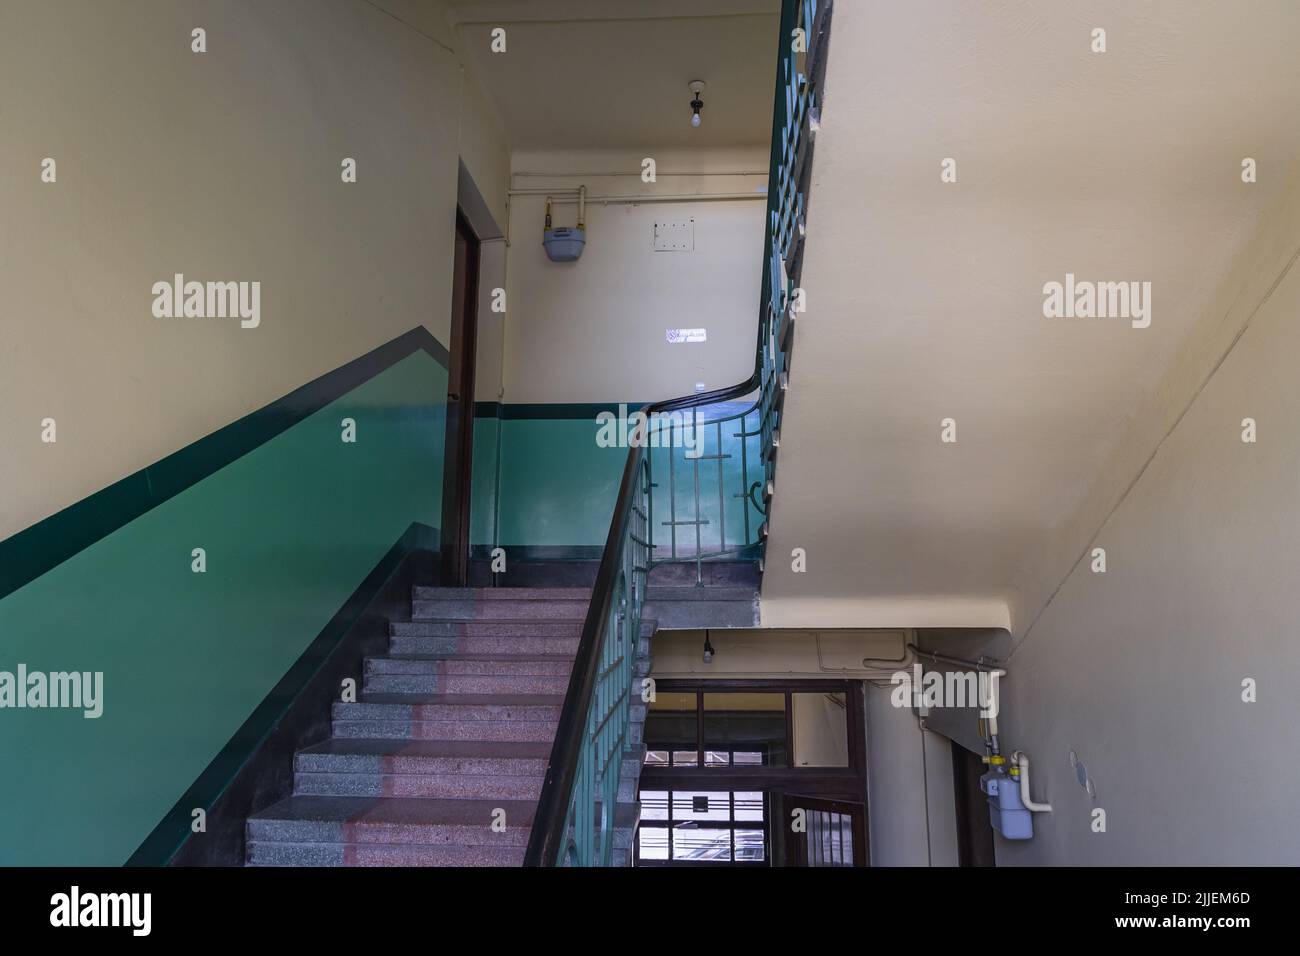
(705, 475)
(575, 820)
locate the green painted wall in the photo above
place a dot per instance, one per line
(290, 529)
(483, 481)
(557, 486)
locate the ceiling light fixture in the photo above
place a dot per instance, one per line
(697, 104)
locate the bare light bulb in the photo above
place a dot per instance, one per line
(697, 101)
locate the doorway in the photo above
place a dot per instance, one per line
(753, 773)
(974, 831)
(828, 833)
(459, 453)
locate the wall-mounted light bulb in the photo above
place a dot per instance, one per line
(695, 119)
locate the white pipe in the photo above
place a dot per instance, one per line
(1022, 762)
(992, 706)
(529, 174)
(561, 197)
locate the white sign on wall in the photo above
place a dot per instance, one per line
(678, 336)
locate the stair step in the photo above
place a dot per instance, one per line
(478, 757)
(523, 644)
(491, 717)
(485, 628)
(468, 674)
(490, 684)
(453, 706)
(473, 786)
(511, 730)
(262, 853)
(479, 665)
(392, 820)
(693, 593)
(470, 609)
(420, 593)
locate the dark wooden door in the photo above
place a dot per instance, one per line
(974, 831)
(455, 542)
(834, 832)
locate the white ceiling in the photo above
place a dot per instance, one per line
(611, 74)
(925, 299)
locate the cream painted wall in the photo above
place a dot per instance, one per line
(910, 797)
(925, 298)
(223, 166)
(1140, 670)
(594, 330)
(819, 730)
(491, 325)
(777, 654)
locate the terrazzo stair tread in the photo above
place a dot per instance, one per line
(440, 784)
(480, 684)
(451, 720)
(384, 820)
(715, 573)
(472, 712)
(693, 593)
(480, 757)
(514, 610)
(265, 854)
(268, 853)
(430, 705)
(531, 644)
(487, 627)
(422, 593)
(528, 665)
(468, 730)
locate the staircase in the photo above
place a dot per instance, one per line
(441, 761)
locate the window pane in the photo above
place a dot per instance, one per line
(716, 758)
(654, 843)
(748, 805)
(692, 843)
(654, 804)
(747, 758)
(750, 846)
(846, 838)
(701, 805)
(656, 758)
(670, 724)
(754, 723)
(821, 730)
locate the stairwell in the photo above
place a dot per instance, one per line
(440, 761)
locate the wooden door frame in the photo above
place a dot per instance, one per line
(844, 785)
(975, 844)
(796, 850)
(459, 460)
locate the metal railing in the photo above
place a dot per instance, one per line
(705, 471)
(575, 820)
